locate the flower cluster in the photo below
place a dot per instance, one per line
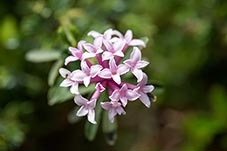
(108, 51)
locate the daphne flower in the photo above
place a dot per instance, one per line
(87, 108)
(76, 53)
(101, 64)
(93, 49)
(114, 108)
(114, 71)
(135, 63)
(124, 94)
(69, 82)
(86, 73)
(113, 49)
(143, 90)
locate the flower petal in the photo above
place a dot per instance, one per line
(135, 56)
(148, 88)
(120, 110)
(91, 116)
(82, 111)
(94, 34)
(141, 64)
(98, 42)
(115, 96)
(108, 46)
(119, 53)
(116, 77)
(95, 69)
(128, 36)
(66, 83)
(64, 72)
(145, 99)
(85, 67)
(124, 101)
(107, 55)
(79, 100)
(137, 42)
(70, 59)
(90, 48)
(119, 45)
(113, 66)
(122, 69)
(105, 73)
(74, 88)
(132, 95)
(87, 55)
(138, 73)
(106, 105)
(112, 114)
(78, 75)
(87, 80)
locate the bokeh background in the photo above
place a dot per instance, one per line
(187, 50)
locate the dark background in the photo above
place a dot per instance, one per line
(188, 65)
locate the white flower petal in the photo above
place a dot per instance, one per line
(70, 59)
(141, 64)
(95, 70)
(82, 111)
(66, 83)
(122, 69)
(74, 88)
(148, 88)
(105, 73)
(107, 55)
(87, 55)
(116, 77)
(87, 80)
(138, 73)
(64, 72)
(137, 42)
(145, 99)
(91, 116)
(132, 95)
(78, 75)
(79, 100)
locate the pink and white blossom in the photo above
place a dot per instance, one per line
(77, 53)
(135, 63)
(68, 81)
(103, 62)
(143, 90)
(124, 94)
(86, 73)
(114, 108)
(114, 71)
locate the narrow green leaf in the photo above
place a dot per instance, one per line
(54, 72)
(58, 95)
(109, 129)
(42, 56)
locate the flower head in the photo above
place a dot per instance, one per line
(101, 63)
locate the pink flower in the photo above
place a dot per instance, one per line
(68, 82)
(114, 108)
(143, 90)
(101, 64)
(124, 94)
(133, 42)
(87, 108)
(86, 73)
(93, 49)
(135, 63)
(76, 53)
(114, 71)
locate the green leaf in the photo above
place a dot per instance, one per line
(109, 129)
(54, 72)
(58, 94)
(91, 129)
(37, 56)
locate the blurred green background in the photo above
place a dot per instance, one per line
(187, 50)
